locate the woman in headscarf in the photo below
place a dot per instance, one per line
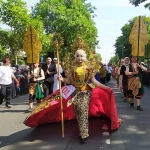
(125, 78)
(120, 76)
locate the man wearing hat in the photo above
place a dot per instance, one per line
(6, 77)
(56, 83)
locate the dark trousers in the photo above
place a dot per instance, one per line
(103, 80)
(138, 96)
(32, 97)
(5, 93)
(125, 89)
(48, 88)
(17, 91)
(108, 77)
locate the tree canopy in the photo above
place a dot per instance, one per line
(122, 45)
(69, 18)
(15, 14)
(137, 2)
(114, 60)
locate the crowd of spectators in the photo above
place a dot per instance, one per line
(21, 73)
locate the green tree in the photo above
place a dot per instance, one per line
(114, 60)
(138, 2)
(69, 18)
(15, 14)
(2, 52)
(99, 56)
(122, 45)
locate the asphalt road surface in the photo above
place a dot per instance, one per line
(133, 134)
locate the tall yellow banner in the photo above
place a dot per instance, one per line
(138, 37)
(32, 45)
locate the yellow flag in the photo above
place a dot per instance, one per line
(138, 37)
(32, 45)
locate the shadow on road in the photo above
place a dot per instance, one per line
(48, 137)
(134, 133)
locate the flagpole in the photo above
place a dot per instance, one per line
(32, 65)
(57, 46)
(139, 38)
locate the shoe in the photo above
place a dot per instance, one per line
(132, 105)
(139, 108)
(125, 100)
(83, 140)
(30, 109)
(8, 105)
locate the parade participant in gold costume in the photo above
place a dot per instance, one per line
(84, 101)
(79, 77)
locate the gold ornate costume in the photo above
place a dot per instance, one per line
(89, 67)
(80, 77)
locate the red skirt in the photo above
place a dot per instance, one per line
(102, 104)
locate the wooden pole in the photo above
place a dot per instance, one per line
(32, 65)
(61, 105)
(139, 38)
(57, 45)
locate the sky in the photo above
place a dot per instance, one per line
(111, 16)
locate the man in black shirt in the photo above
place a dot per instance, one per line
(50, 70)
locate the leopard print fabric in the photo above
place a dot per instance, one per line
(81, 108)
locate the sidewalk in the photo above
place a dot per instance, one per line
(134, 133)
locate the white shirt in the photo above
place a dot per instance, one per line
(61, 70)
(56, 83)
(5, 75)
(36, 74)
(109, 69)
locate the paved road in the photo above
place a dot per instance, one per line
(133, 134)
(14, 135)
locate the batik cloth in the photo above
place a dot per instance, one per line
(81, 108)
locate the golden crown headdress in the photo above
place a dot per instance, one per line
(79, 44)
